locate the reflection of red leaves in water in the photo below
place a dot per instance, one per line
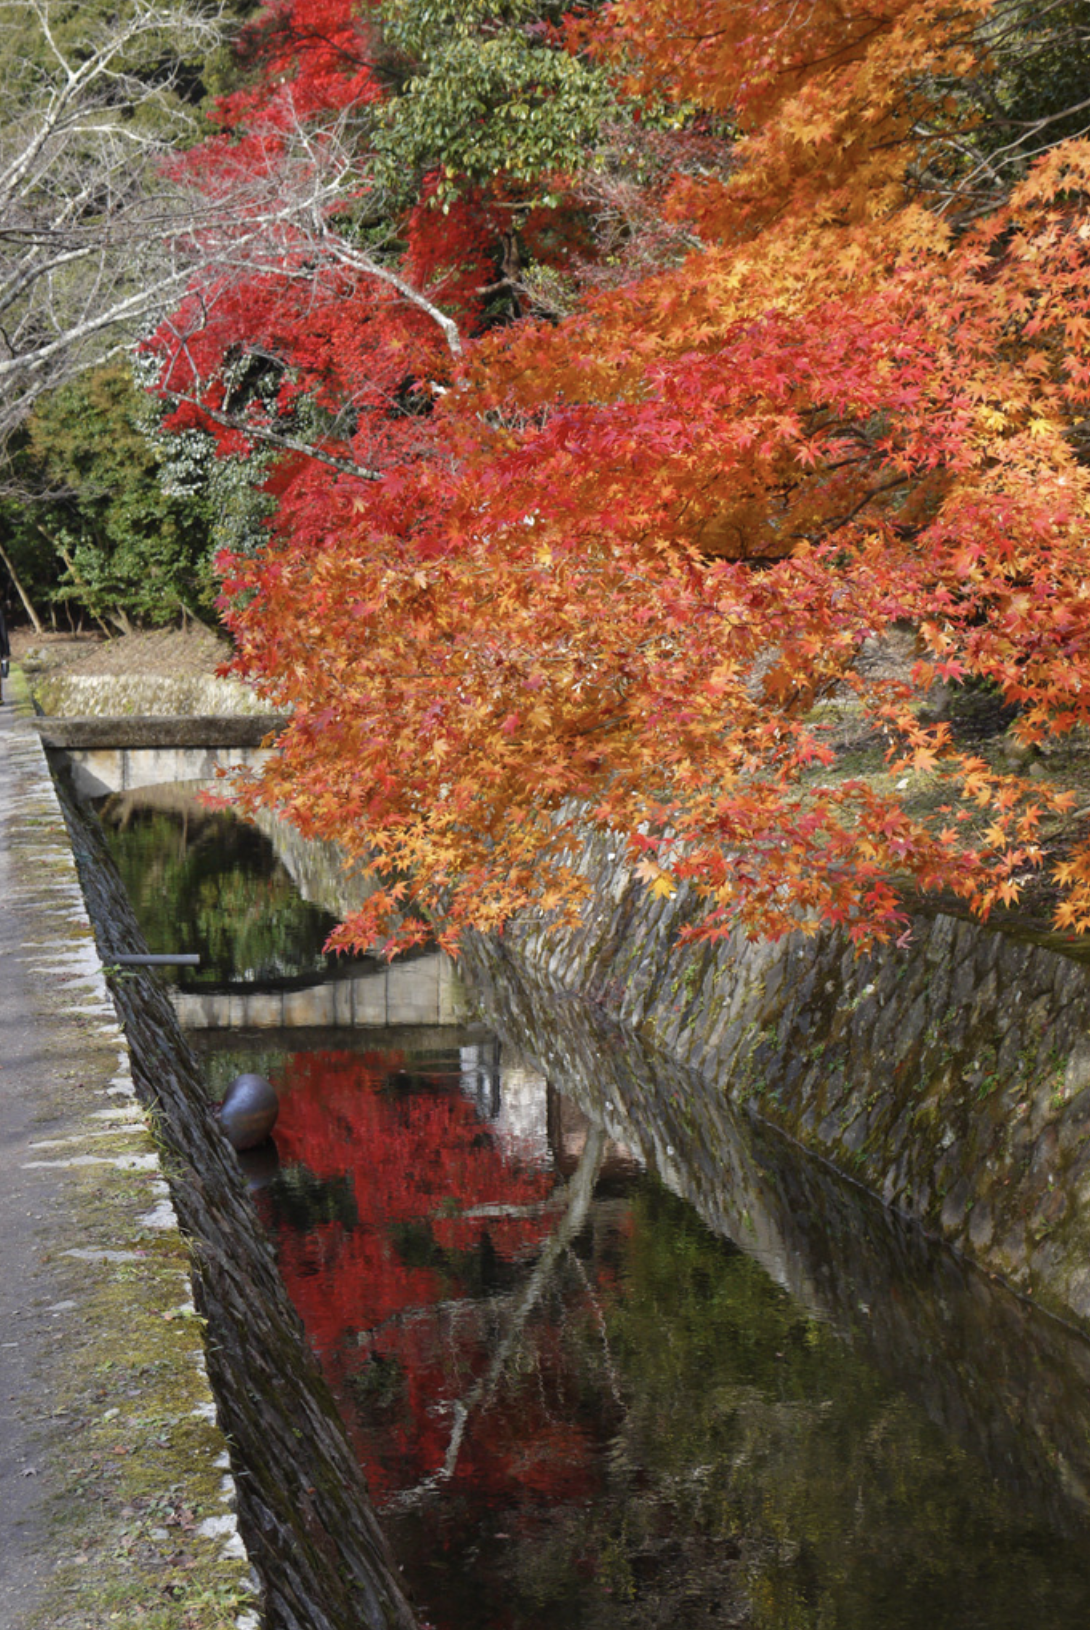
(415, 1160)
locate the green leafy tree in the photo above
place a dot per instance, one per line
(93, 524)
(481, 95)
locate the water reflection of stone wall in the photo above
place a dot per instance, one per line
(1008, 1382)
(320, 870)
(951, 1076)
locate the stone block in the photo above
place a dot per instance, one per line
(856, 1134)
(310, 1007)
(262, 1010)
(453, 1004)
(369, 999)
(1074, 1128)
(981, 1226)
(412, 993)
(1077, 1068)
(343, 1004)
(954, 1207)
(1049, 1210)
(196, 1012)
(940, 939)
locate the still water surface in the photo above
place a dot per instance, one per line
(577, 1404)
(609, 1363)
(203, 881)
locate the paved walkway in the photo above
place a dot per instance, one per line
(34, 1052)
(107, 1454)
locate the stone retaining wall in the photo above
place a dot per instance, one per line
(950, 1076)
(1002, 1378)
(303, 1506)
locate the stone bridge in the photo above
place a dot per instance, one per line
(120, 754)
(422, 990)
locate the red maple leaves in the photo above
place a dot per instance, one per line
(622, 568)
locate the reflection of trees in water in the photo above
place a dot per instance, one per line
(296, 1199)
(443, 1217)
(202, 880)
(751, 1431)
(592, 1410)
(570, 1221)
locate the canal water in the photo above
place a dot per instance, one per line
(204, 882)
(609, 1355)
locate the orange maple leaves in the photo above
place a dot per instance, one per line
(635, 579)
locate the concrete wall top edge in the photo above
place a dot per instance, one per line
(225, 730)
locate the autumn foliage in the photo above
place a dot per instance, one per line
(622, 564)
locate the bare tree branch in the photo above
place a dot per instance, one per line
(94, 242)
(579, 1194)
(259, 432)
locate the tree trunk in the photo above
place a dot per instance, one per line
(76, 578)
(21, 592)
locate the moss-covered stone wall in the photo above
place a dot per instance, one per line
(1002, 1378)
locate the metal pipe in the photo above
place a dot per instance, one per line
(182, 959)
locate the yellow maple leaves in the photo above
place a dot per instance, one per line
(680, 524)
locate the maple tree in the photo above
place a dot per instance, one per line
(614, 568)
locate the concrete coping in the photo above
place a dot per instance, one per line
(224, 730)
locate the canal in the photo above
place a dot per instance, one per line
(609, 1354)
